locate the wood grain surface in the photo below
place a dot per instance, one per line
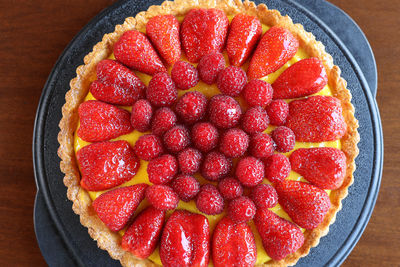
(34, 33)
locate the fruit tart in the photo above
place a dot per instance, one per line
(208, 133)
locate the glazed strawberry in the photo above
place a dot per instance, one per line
(162, 197)
(305, 77)
(230, 188)
(189, 160)
(306, 204)
(163, 32)
(275, 48)
(241, 209)
(142, 236)
(250, 171)
(316, 119)
(176, 139)
(161, 91)
(134, 50)
(324, 167)
(163, 120)
(116, 207)
(234, 143)
(257, 93)
(215, 166)
(203, 31)
(184, 75)
(100, 121)
(106, 164)
(279, 236)
(141, 115)
(210, 66)
(243, 36)
(186, 186)
(277, 110)
(261, 145)
(284, 139)
(209, 200)
(224, 111)
(231, 81)
(148, 147)
(204, 136)
(191, 107)
(255, 120)
(162, 170)
(264, 196)
(233, 244)
(277, 168)
(185, 240)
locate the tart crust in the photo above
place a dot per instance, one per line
(79, 87)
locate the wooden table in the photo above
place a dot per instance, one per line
(33, 35)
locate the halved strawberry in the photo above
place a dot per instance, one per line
(101, 122)
(279, 236)
(245, 30)
(142, 236)
(316, 119)
(305, 77)
(116, 207)
(106, 164)
(233, 244)
(163, 32)
(324, 167)
(275, 48)
(306, 204)
(185, 240)
(134, 50)
(203, 31)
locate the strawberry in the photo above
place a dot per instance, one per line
(233, 244)
(185, 240)
(243, 35)
(316, 119)
(324, 167)
(306, 204)
(100, 121)
(142, 236)
(134, 50)
(116, 207)
(106, 164)
(279, 236)
(203, 31)
(275, 48)
(163, 32)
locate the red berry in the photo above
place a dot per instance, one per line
(258, 93)
(161, 91)
(210, 66)
(148, 146)
(186, 186)
(224, 111)
(189, 160)
(141, 115)
(250, 171)
(278, 110)
(161, 170)
(215, 166)
(241, 209)
(204, 136)
(191, 107)
(284, 139)
(177, 138)
(255, 120)
(209, 200)
(184, 75)
(262, 145)
(234, 143)
(163, 120)
(264, 196)
(277, 168)
(231, 81)
(230, 188)
(162, 197)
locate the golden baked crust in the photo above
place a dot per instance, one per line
(86, 73)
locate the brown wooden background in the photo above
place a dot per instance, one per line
(34, 33)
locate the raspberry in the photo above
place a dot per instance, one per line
(215, 166)
(255, 120)
(141, 115)
(284, 139)
(241, 209)
(161, 170)
(262, 145)
(191, 107)
(176, 138)
(189, 160)
(210, 66)
(278, 111)
(224, 111)
(186, 186)
(231, 81)
(162, 197)
(258, 93)
(230, 188)
(264, 196)
(148, 147)
(250, 171)
(161, 91)
(184, 75)
(204, 136)
(163, 120)
(209, 200)
(234, 143)
(277, 168)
